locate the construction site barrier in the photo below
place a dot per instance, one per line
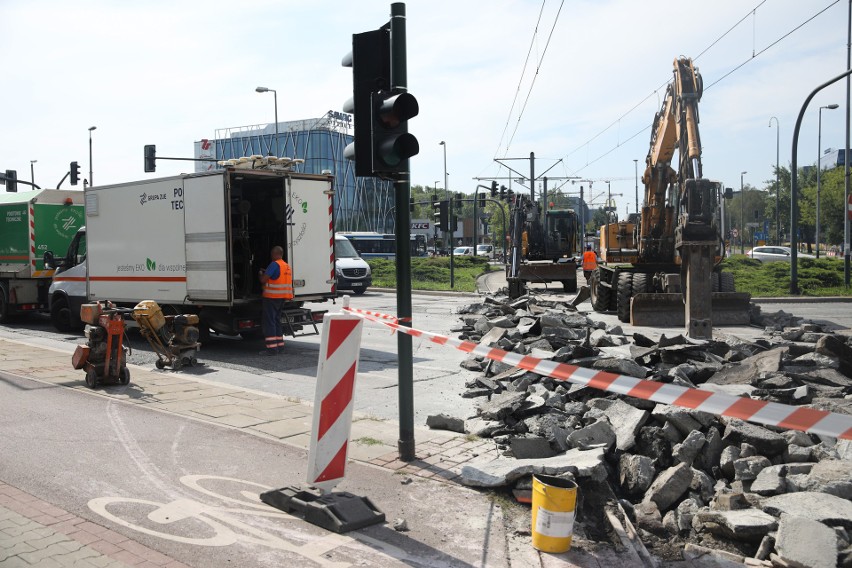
(332, 420)
(809, 420)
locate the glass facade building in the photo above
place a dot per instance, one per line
(360, 203)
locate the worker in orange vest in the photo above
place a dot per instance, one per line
(590, 262)
(277, 280)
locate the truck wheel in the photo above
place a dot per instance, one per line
(599, 293)
(641, 284)
(61, 316)
(625, 292)
(4, 305)
(726, 282)
(124, 376)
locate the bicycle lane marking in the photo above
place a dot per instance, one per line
(222, 523)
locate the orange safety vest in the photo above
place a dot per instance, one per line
(590, 260)
(281, 287)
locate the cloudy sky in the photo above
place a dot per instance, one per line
(588, 76)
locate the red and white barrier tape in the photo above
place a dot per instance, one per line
(763, 412)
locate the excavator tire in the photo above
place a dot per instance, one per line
(715, 279)
(624, 291)
(641, 283)
(726, 282)
(600, 294)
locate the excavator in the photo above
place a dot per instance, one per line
(662, 269)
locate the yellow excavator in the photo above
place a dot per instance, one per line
(662, 269)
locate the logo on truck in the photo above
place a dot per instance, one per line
(67, 220)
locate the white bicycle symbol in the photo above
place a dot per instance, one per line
(227, 530)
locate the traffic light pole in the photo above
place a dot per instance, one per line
(402, 188)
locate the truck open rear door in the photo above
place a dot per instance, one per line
(311, 237)
(206, 239)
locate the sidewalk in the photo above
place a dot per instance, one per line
(34, 532)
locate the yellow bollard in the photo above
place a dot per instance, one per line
(553, 503)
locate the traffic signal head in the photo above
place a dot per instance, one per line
(481, 197)
(391, 141)
(458, 201)
(150, 158)
(502, 192)
(11, 181)
(75, 173)
(411, 205)
(440, 215)
(493, 189)
(370, 63)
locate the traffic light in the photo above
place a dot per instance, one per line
(440, 215)
(11, 181)
(75, 173)
(458, 201)
(411, 205)
(392, 143)
(493, 189)
(502, 192)
(370, 63)
(481, 197)
(150, 158)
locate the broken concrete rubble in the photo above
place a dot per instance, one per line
(689, 479)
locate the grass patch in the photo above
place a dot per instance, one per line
(816, 277)
(367, 441)
(433, 273)
(471, 438)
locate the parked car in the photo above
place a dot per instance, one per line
(773, 254)
(462, 251)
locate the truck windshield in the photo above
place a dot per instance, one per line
(344, 249)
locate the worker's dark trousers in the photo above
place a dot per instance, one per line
(273, 331)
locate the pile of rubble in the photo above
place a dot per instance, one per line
(691, 483)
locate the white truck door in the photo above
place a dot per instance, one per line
(310, 241)
(205, 214)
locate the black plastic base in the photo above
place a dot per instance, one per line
(339, 512)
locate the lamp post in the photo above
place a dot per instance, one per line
(450, 218)
(742, 214)
(636, 171)
(32, 172)
(275, 96)
(91, 183)
(819, 155)
(777, 184)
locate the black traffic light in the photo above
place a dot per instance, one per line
(502, 192)
(493, 189)
(411, 205)
(12, 181)
(370, 63)
(150, 158)
(75, 173)
(481, 197)
(392, 143)
(459, 201)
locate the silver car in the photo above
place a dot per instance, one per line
(773, 254)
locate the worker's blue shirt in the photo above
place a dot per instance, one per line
(273, 271)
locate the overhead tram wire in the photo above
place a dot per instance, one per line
(754, 55)
(520, 81)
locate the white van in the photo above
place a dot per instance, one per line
(352, 271)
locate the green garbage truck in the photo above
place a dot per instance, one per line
(32, 223)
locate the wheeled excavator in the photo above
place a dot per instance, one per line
(665, 267)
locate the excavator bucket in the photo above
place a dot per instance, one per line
(668, 310)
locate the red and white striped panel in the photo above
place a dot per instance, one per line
(768, 413)
(32, 238)
(333, 274)
(333, 405)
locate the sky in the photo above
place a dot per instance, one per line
(576, 82)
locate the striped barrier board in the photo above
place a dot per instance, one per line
(763, 412)
(332, 419)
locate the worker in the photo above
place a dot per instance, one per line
(277, 280)
(590, 262)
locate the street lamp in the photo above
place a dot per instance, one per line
(777, 184)
(275, 95)
(90, 155)
(742, 214)
(446, 187)
(819, 155)
(32, 172)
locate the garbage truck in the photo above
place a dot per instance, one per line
(32, 222)
(194, 243)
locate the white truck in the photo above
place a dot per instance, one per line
(194, 243)
(32, 222)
